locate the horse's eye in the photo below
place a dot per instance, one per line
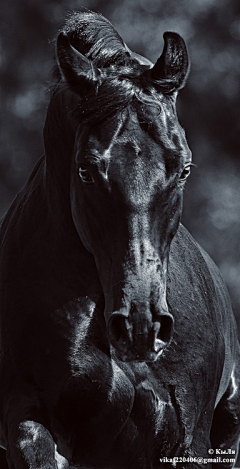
(85, 175)
(185, 173)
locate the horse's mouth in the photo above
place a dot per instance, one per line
(138, 346)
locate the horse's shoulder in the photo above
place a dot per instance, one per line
(186, 254)
(197, 275)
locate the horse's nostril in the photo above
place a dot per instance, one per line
(118, 329)
(166, 329)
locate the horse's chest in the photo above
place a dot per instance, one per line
(113, 425)
(152, 430)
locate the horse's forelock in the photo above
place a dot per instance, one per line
(94, 36)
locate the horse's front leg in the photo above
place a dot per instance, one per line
(31, 446)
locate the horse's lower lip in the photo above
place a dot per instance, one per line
(158, 345)
(150, 356)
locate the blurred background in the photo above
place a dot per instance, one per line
(208, 107)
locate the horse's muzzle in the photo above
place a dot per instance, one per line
(134, 343)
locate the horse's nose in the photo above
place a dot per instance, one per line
(139, 340)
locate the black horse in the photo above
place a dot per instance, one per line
(118, 344)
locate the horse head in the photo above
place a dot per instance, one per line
(130, 161)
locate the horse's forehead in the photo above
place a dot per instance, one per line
(149, 129)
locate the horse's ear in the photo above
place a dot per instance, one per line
(74, 66)
(172, 68)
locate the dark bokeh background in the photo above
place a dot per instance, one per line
(208, 107)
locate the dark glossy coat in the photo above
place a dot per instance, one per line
(118, 344)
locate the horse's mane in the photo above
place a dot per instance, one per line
(94, 36)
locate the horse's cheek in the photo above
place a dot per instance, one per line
(78, 210)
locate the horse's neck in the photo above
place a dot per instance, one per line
(39, 224)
